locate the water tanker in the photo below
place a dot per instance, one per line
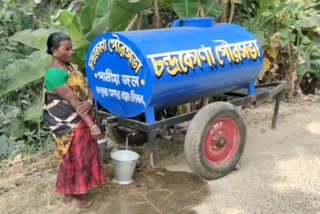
(134, 74)
(131, 73)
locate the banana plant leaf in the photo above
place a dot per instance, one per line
(36, 39)
(115, 15)
(189, 8)
(212, 8)
(87, 17)
(71, 22)
(186, 8)
(25, 71)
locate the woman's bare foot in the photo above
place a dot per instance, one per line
(75, 201)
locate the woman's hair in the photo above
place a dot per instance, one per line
(54, 41)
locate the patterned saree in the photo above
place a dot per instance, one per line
(80, 169)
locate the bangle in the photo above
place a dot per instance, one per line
(92, 127)
(89, 101)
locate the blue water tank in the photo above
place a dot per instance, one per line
(131, 72)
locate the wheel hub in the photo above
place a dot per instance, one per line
(221, 141)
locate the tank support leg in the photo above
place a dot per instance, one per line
(252, 92)
(276, 111)
(150, 118)
(153, 150)
(252, 89)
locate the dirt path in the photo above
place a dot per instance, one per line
(280, 169)
(279, 173)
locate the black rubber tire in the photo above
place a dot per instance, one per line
(194, 140)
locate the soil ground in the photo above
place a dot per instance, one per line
(279, 173)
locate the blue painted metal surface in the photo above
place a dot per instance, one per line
(133, 73)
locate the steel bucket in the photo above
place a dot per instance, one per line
(124, 164)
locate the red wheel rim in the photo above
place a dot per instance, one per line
(221, 141)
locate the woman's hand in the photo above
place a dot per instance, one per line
(84, 107)
(96, 132)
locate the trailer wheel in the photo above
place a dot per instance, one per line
(215, 140)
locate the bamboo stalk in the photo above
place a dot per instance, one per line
(131, 24)
(157, 14)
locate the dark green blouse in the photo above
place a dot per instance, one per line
(55, 78)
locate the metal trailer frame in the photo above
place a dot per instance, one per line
(238, 97)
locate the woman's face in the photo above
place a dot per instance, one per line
(64, 52)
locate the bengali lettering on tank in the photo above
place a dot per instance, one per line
(96, 52)
(125, 96)
(114, 45)
(114, 83)
(108, 76)
(124, 51)
(116, 80)
(130, 80)
(181, 61)
(237, 52)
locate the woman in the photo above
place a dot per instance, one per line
(69, 115)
